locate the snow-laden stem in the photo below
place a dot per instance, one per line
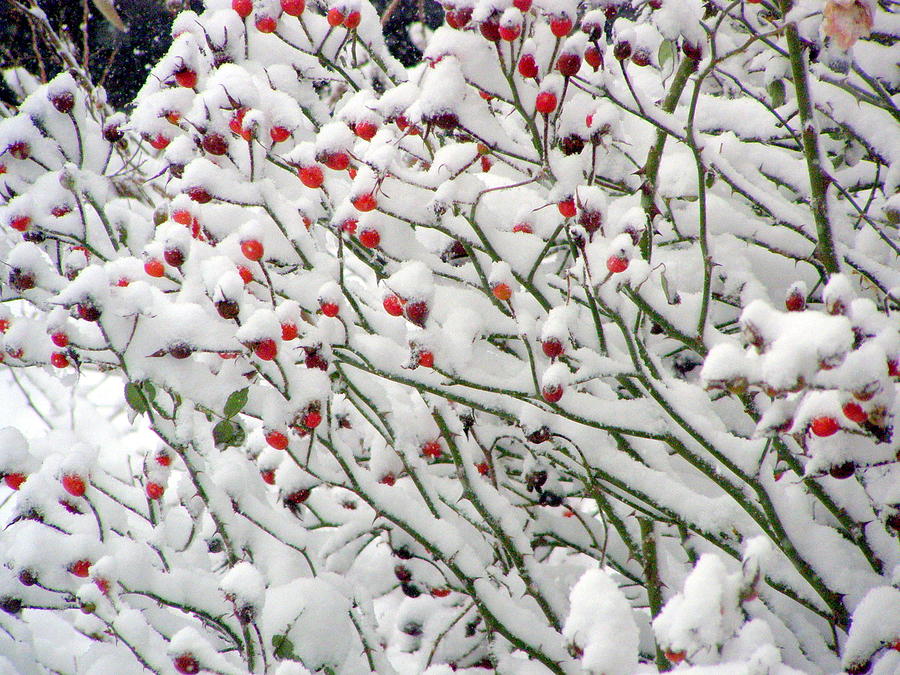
(650, 170)
(818, 178)
(496, 525)
(651, 576)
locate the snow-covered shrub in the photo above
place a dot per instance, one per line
(572, 349)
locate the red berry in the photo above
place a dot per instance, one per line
(352, 20)
(842, 471)
(312, 176)
(795, 302)
(854, 412)
(288, 331)
(236, 124)
(692, 51)
(20, 223)
(174, 256)
(266, 24)
(252, 249)
(566, 207)
(182, 217)
(365, 202)
(293, 7)
(279, 134)
(215, 144)
(349, 225)
(370, 238)
(242, 7)
(463, 17)
(894, 367)
(314, 360)
(552, 347)
(501, 291)
(312, 419)
(154, 490)
(510, 33)
(246, 274)
(60, 210)
(641, 57)
(329, 308)
(199, 194)
(266, 349)
(4, 325)
(616, 264)
(60, 339)
(392, 305)
(824, 426)
(560, 26)
(545, 103)
(163, 458)
(594, 57)
(674, 657)
(74, 484)
(426, 359)
(277, 440)
(528, 66)
(19, 150)
(490, 29)
(568, 64)
(365, 130)
(524, 228)
(486, 164)
(297, 497)
(417, 313)
(80, 568)
(268, 476)
(186, 664)
(622, 50)
(440, 592)
(522, 5)
(159, 141)
(14, 480)
(88, 312)
(388, 479)
(59, 360)
(63, 101)
(552, 393)
(432, 449)
(335, 17)
(337, 161)
(185, 77)
(154, 268)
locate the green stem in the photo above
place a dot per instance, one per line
(818, 180)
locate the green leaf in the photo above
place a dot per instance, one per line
(284, 648)
(666, 52)
(150, 391)
(223, 432)
(135, 398)
(236, 402)
(776, 93)
(229, 433)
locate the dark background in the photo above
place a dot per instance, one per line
(122, 60)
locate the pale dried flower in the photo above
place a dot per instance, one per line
(846, 21)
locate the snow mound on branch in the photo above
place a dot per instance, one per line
(601, 626)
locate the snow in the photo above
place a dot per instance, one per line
(689, 393)
(601, 625)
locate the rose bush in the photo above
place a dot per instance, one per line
(571, 349)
